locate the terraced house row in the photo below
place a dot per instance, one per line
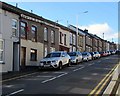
(25, 38)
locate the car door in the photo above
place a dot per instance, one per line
(79, 57)
(63, 58)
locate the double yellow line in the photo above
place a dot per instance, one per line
(96, 91)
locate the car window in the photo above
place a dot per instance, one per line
(84, 53)
(72, 53)
(53, 55)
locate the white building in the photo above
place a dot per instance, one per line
(9, 41)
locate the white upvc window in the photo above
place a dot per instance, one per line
(74, 39)
(1, 50)
(71, 49)
(45, 51)
(14, 27)
(45, 34)
(52, 36)
(70, 38)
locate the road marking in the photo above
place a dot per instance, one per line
(44, 76)
(54, 78)
(8, 86)
(103, 80)
(59, 72)
(18, 77)
(78, 69)
(15, 92)
(90, 64)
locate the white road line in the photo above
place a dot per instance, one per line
(78, 69)
(53, 78)
(15, 92)
(44, 76)
(90, 64)
(59, 72)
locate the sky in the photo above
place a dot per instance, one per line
(102, 17)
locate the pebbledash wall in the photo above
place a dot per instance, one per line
(9, 41)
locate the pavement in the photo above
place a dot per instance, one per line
(13, 74)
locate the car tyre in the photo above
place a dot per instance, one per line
(69, 63)
(60, 66)
(76, 61)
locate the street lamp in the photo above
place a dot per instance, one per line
(77, 29)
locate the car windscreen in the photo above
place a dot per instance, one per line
(53, 55)
(72, 53)
(84, 53)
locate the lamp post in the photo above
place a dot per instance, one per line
(77, 30)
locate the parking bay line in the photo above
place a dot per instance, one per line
(54, 78)
(13, 93)
(78, 69)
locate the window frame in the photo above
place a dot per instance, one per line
(61, 39)
(52, 35)
(25, 29)
(35, 59)
(2, 49)
(34, 38)
(65, 39)
(15, 28)
(45, 34)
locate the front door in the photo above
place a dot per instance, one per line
(23, 57)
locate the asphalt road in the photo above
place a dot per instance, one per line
(76, 79)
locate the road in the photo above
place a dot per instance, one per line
(76, 79)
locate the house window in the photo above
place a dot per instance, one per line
(33, 55)
(71, 49)
(45, 51)
(23, 30)
(74, 39)
(52, 36)
(61, 37)
(70, 38)
(34, 33)
(52, 49)
(45, 34)
(1, 50)
(80, 41)
(14, 27)
(64, 39)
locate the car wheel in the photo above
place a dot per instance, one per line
(69, 63)
(60, 66)
(76, 61)
(87, 59)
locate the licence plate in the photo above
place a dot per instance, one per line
(46, 65)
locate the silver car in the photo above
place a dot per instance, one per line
(76, 57)
(55, 60)
(86, 56)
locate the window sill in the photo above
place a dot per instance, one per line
(1, 62)
(33, 60)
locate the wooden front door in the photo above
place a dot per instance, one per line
(23, 57)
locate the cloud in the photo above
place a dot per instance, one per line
(99, 29)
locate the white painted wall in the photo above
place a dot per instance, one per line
(34, 45)
(5, 34)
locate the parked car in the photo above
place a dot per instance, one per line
(93, 55)
(102, 54)
(76, 57)
(97, 54)
(55, 60)
(86, 56)
(112, 52)
(117, 52)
